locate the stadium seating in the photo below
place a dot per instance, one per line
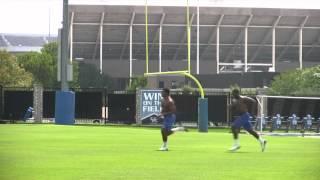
(25, 40)
(2, 43)
(16, 43)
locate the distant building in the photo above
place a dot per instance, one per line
(253, 44)
(17, 44)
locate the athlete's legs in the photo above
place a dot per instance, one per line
(165, 133)
(235, 128)
(166, 130)
(235, 131)
(253, 133)
(247, 126)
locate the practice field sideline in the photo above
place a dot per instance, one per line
(110, 152)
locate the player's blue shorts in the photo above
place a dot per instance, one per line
(243, 121)
(168, 121)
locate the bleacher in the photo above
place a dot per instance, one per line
(25, 40)
(24, 43)
(2, 43)
(52, 39)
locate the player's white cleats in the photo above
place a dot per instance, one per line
(263, 145)
(179, 129)
(163, 148)
(234, 148)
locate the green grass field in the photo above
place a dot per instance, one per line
(109, 152)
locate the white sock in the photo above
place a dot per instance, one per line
(164, 144)
(177, 129)
(236, 142)
(261, 139)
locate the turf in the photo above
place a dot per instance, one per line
(104, 152)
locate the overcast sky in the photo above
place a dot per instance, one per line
(36, 16)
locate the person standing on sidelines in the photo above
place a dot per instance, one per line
(240, 107)
(168, 110)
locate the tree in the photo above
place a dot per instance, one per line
(11, 74)
(43, 66)
(234, 86)
(137, 82)
(52, 49)
(304, 82)
(89, 76)
(187, 89)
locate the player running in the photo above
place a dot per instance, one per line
(168, 110)
(240, 106)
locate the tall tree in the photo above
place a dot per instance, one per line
(11, 74)
(304, 82)
(43, 66)
(89, 76)
(137, 82)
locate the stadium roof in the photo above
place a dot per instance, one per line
(284, 4)
(116, 20)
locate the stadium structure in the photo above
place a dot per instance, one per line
(22, 43)
(255, 42)
(229, 44)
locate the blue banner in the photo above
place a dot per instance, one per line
(150, 105)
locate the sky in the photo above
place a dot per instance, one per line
(44, 17)
(30, 16)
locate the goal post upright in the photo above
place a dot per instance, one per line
(262, 109)
(202, 101)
